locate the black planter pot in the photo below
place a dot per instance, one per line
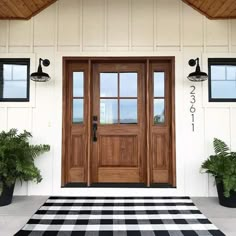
(226, 201)
(6, 195)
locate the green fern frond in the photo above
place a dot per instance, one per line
(220, 147)
(222, 166)
(17, 157)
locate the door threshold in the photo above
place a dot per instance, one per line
(117, 185)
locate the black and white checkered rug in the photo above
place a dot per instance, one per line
(119, 216)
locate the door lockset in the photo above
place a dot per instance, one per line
(95, 127)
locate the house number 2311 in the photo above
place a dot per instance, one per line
(192, 105)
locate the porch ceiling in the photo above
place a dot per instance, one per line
(214, 9)
(22, 9)
(25, 9)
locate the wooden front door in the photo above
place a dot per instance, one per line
(118, 122)
(118, 148)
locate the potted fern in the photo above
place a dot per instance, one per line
(17, 162)
(222, 166)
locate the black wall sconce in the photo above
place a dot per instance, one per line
(198, 75)
(40, 76)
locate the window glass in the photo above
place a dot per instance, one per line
(223, 89)
(159, 84)
(218, 73)
(222, 79)
(108, 111)
(78, 84)
(159, 111)
(128, 84)
(128, 111)
(231, 73)
(78, 110)
(108, 84)
(14, 80)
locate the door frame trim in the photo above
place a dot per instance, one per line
(90, 60)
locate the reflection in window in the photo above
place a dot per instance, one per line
(128, 111)
(108, 111)
(159, 111)
(108, 84)
(14, 79)
(128, 84)
(78, 110)
(222, 79)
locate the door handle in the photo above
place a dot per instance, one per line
(95, 132)
(95, 127)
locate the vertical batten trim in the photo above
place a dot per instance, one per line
(81, 24)
(130, 25)
(56, 28)
(8, 36)
(30, 117)
(32, 35)
(204, 27)
(6, 118)
(229, 35)
(105, 24)
(204, 147)
(154, 24)
(230, 130)
(181, 27)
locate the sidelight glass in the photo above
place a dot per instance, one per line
(108, 84)
(159, 111)
(128, 84)
(108, 111)
(78, 110)
(159, 84)
(128, 111)
(78, 84)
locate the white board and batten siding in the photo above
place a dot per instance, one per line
(120, 28)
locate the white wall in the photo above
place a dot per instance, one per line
(121, 28)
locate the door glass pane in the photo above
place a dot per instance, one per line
(128, 111)
(108, 111)
(108, 84)
(159, 84)
(78, 110)
(78, 84)
(128, 84)
(159, 111)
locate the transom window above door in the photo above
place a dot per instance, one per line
(118, 97)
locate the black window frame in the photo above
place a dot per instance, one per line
(219, 62)
(16, 61)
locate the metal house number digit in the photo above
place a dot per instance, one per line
(192, 108)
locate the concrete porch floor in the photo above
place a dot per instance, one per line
(14, 216)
